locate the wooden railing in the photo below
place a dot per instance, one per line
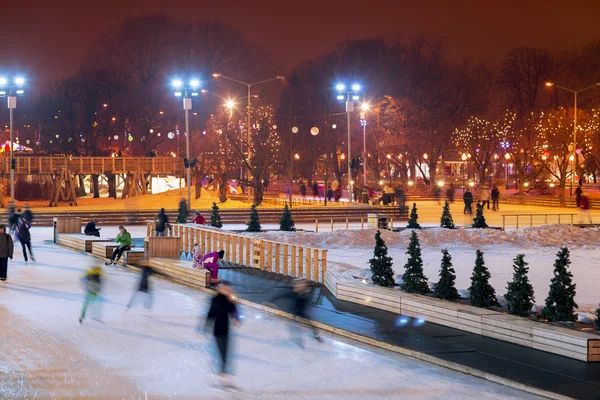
(34, 165)
(524, 220)
(268, 255)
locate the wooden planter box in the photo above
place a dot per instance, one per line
(165, 247)
(181, 271)
(566, 342)
(79, 241)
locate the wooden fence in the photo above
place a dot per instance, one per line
(268, 255)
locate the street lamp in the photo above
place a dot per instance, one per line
(575, 93)
(363, 121)
(351, 95)
(11, 91)
(248, 118)
(464, 159)
(507, 157)
(187, 91)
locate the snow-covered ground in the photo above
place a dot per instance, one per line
(45, 353)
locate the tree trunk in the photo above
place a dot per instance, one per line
(198, 184)
(112, 185)
(222, 188)
(258, 192)
(96, 185)
(82, 191)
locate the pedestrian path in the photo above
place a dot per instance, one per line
(526, 366)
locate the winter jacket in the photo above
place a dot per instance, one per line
(468, 197)
(24, 234)
(6, 246)
(584, 203)
(199, 219)
(495, 194)
(90, 227)
(299, 301)
(93, 280)
(484, 195)
(161, 222)
(28, 215)
(221, 308)
(209, 260)
(124, 240)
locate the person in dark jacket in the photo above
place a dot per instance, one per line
(222, 309)
(6, 251)
(91, 229)
(468, 199)
(27, 214)
(495, 198)
(144, 285)
(315, 190)
(299, 294)
(578, 195)
(24, 236)
(161, 223)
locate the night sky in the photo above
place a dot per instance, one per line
(48, 39)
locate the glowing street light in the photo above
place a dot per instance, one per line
(11, 92)
(230, 104)
(186, 92)
(351, 96)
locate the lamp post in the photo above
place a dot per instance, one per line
(363, 121)
(248, 118)
(507, 157)
(11, 91)
(351, 95)
(575, 93)
(187, 92)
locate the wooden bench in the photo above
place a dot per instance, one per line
(181, 271)
(78, 241)
(105, 250)
(570, 343)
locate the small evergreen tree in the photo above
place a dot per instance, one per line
(560, 303)
(254, 223)
(414, 280)
(215, 218)
(412, 221)
(479, 220)
(481, 293)
(286, 223)
(446, 220)
(598, 319)
(520, 292)
(382, 273)
(445, 287)
(182, 212)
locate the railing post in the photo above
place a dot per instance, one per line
(503, 223)
(559, 219)
(517, 221)
(316, 225)
(571, 219)
(362, 223)
(546, 219)
(531, 220)
(331, 224)
(346, 223)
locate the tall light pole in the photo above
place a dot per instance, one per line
(351, 95)
(11, 91)
(574, 150)
(248, 118)
(363, 121)
(187, 92)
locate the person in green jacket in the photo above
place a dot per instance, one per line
(124, 241)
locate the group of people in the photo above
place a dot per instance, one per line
(484, 198)
(19, 225)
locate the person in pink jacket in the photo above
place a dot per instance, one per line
(210, 261)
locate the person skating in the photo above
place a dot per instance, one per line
(468, 200)
(495, 198)
(584, 206)
(144, 285)
(211, 262)
(93, 284)
(92, 228)
(315, 190)
(222, 310)
(161, 223)
(299, 294)
(25, 238)
(124, 241)
(578, 195)
(27, 214)
(6, 251)
(484, 197)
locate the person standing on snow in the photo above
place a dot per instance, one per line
(495, 198)
(6, 251)
(124, 241)
(25, 237)
(93, 284)
(468, 199)
(222, 309)
(299, 294)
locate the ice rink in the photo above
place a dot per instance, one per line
(45, 353)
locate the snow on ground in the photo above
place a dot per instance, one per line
(350, 250)
(47, 354)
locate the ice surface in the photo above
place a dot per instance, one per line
(45, 353)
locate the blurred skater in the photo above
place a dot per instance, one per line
(143, 287)
(299, 294)
(222, 309)
(24, 236)
(6, 251)
(584, 207)
(93, 284)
